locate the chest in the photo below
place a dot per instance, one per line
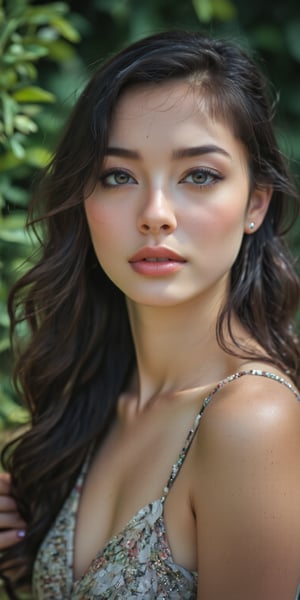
(129, 471)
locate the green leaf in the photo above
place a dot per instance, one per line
(4, 344)
(17, 148)
(13, 221)
(59, 50)
(16, 49)
(119, 9)
(33, 52)
(38, 156)
(9, 111)
(26, 70)
(65, 29)
(10, 411)
(10, 26)
(224, 10)
(8, 78)
(9, 161)
(25, 125)
(41, 14)
(203, 10)
(31, 110)
(19, 236)
(4, 320)
(34, 156)
(33, 94)
(11, 192)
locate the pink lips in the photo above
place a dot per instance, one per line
(156, 261)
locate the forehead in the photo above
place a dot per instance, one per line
(175, 113)
(176, 99)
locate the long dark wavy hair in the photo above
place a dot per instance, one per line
(79, 354)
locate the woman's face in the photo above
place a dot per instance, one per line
(172, 202)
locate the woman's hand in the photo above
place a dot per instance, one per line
(12, 526)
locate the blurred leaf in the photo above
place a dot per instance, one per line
(203, 9)
(24, 124)
(10, 412)
(4, 344)
(38, 156)
(33, 52)
(224, 10)
(4, 320)
(17, 148)
(28, 33)
(119, 9)
(42, 14)
(13, 193)
(33, 94)
(59, 50)
(9, 111)
(19, 236)
(25, 70)
(13, 221)
(10, 25)
(65, 29)
(8, 78)
(9, 161)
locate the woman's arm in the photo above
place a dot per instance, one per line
(12, 527)
(247, 494)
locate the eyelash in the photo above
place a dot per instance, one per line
(213, 175)
(115, 172)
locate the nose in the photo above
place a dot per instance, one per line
(157, 214)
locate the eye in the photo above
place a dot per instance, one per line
(202, 177)
(115, 178)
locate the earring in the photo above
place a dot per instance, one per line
(251, 225)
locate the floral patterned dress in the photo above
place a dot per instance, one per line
(137, 562)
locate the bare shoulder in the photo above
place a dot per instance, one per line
(246, 491)
(252, 408)
(253, 422)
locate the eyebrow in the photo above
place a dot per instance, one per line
(199, 151)
(122, 152)
(176, 154)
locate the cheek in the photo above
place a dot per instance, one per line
(217, 221)
(97, 216)
(104, 224)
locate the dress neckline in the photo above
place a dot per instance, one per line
(175, 470)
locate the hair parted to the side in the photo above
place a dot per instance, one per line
(80, 353)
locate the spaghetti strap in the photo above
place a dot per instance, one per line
(140, 550)
(220, 385)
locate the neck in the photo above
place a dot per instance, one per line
(176, 348)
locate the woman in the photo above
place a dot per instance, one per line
(161, 317)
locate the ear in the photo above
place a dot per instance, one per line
(257, 208)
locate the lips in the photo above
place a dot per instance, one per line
(156, 261)
(156, 254)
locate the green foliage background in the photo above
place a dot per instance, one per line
(48, 51)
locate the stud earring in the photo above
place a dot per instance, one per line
(251, 225)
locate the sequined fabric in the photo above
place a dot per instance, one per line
(136, 563)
